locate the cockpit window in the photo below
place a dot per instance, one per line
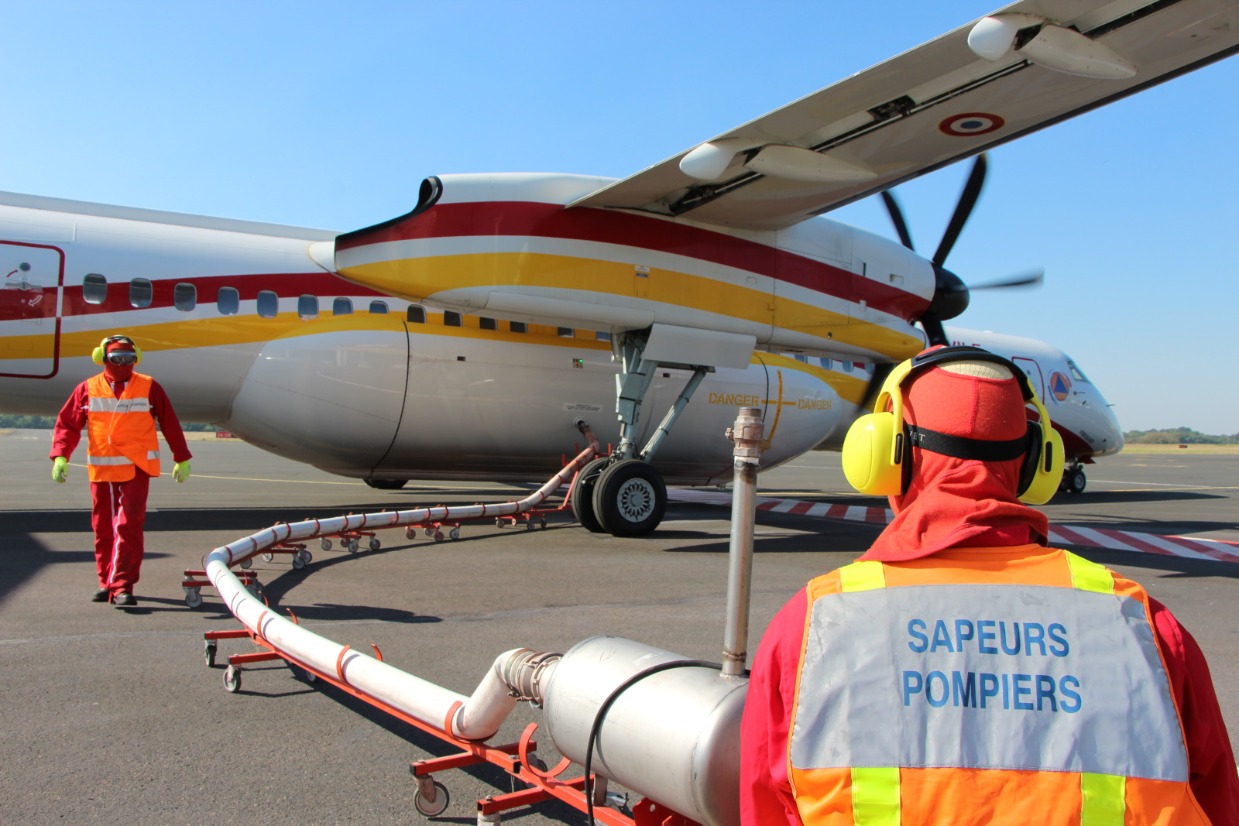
(1076, 373)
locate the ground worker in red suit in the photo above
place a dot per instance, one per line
(961, 671)
(118, 408)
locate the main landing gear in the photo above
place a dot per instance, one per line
(623, 494)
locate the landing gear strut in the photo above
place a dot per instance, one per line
(623, 494)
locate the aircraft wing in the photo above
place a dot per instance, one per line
(929, 107)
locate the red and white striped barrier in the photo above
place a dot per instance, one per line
(1074, 535)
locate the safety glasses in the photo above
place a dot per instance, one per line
(122, 357)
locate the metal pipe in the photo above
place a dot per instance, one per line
(747, 435)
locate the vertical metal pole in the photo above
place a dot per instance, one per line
(746, 433)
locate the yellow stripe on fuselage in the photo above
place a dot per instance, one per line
(417, 279)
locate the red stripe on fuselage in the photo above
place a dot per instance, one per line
(521, 218)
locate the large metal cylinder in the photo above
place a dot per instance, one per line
(673, 736)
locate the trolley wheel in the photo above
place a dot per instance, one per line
(529, 524)
(232, 679)
(410, 532)
(375, 544)
(193, 597)
(299, 673)
(247, 563)
(208, 652)
(325, 544)
(268, 557)
(542, 524)
(500, 523)
(299, 560)
(353, 546)
(428, 805)
(438, 536)
(453, 534)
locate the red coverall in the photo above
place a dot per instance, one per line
(118, 509)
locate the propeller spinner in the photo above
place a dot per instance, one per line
(951, 294)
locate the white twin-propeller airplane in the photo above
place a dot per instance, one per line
(467, 338)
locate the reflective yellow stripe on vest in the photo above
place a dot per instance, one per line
(1089, 576)
(1104, 799)
(875, 791)
(875, 797)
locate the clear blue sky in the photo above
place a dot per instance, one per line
(330, 114)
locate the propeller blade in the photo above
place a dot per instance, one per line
(934, 330)
(901, 226)
(1028, 279)
(967, 200)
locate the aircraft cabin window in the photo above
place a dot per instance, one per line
(140, 293)
(185, 297)
(518, 327)
(451, 319)
(378, 308)
(415, 314)
(268, 304)
(847, 367)
(307, 307)
(342, 306)
(826, 363)
(228, 300)
(94, 288)
(485, 323)
(602, 335)
(564, 332)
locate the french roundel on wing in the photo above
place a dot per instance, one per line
(971, 123)
(1060, 386)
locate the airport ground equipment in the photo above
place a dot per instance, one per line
(663, 726)
(530, 511)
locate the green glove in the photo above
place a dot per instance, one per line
(60, 469)
(180, 471)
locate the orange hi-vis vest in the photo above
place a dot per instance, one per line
(981, 686)
(120, 432)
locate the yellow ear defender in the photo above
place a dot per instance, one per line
(877, 446)
(100, 352)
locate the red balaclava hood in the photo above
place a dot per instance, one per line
(954, 502)
(117, 372)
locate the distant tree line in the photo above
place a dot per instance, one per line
(1176, 436)
(48, 422)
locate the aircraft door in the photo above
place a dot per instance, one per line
(30, 308)
(1033, 371)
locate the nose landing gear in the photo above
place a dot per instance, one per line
(1073, 478)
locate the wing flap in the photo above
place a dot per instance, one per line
(922, 110)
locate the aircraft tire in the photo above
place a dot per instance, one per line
(583, 494)
(1076, 480)
(630, 498)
